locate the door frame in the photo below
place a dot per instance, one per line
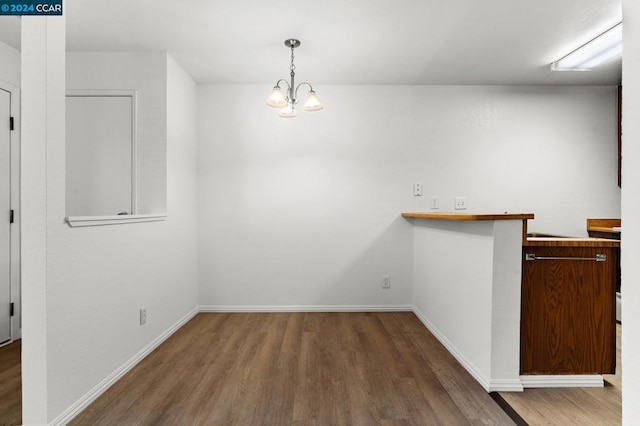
(15, 270)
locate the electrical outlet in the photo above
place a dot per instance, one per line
(417, 190)
(434, 203)
(143, 316)
(386, 281)
(460, 203)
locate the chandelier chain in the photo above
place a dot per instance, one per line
(292, 67)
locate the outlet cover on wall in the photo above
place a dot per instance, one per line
(417, 190)
(460, 203)
(143, 316)
(386, 281)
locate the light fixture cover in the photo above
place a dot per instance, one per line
(288, 112)
(277, 98)
(607, 45)
(312, 103)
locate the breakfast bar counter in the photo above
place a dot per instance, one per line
(467, 271)
(468, 216)
(482, 285)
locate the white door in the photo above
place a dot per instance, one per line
(5, 209)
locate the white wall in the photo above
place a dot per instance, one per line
(453, 278)
(630, 250)
(466, 289)
(97, 278)
(551, 151)
(306, 211)
(145, 73)
(9, 64)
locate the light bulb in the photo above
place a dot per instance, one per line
(288, 112)
(312, 103)
(277, 99)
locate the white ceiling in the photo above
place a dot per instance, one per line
(349, 41)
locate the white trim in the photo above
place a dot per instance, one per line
(82, 403)
(78, 221)
(134, 152)
(468, 365)
(306, 308)
(568, 381)
(505, 385)
(489, 385)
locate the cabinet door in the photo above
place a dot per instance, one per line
(568, 311)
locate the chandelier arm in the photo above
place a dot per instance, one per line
(285, 82)
(302, 84)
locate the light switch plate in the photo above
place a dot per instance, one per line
(434, 203)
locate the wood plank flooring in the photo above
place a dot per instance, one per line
(582, 406)
(315, 368)
(297, 369)
(10, 384)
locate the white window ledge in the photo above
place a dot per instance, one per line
(76, 221)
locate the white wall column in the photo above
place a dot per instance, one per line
(43, 106)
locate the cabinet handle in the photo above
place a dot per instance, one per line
(598, 258)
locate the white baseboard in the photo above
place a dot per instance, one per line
(505, 385)
(568, 381)
(306, 308)
(66, 416)
(468, 365)
(512, 385)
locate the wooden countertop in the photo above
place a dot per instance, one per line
(570, 242)
(468, 216)
(544, 241)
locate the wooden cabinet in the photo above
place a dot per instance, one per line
(568, 310)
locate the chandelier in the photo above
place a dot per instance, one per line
(287, 101)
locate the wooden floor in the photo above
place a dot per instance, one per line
(580, 406)
(297, 369)
(10, 384)
(313, 368)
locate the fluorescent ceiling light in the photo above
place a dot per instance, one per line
(606, 46)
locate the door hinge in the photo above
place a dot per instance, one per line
(11, 216)
(11, 124)
(11, 310)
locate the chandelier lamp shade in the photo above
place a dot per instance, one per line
(286, 100)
